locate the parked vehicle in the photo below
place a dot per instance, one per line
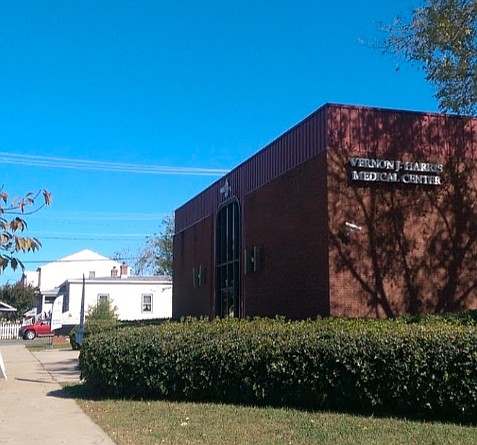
(41, 328)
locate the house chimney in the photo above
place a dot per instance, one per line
(114, 272)
(124, 270)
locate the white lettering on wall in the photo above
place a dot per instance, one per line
(395, 171)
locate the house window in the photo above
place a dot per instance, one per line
(146, 305)
(103, 297)
(50, 299)
(63, 290)
(66, 303)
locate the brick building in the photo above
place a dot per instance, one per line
(353, 212)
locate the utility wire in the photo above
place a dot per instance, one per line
(106, 235)
(92, 216)
(79, 261)
(84, 164)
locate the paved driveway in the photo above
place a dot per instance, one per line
(32, 400)
(61, 364)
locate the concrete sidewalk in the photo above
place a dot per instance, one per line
(33, 408)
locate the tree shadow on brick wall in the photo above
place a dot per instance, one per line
(452, 249)
(408, 248)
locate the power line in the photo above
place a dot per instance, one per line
(79, 261)
(92, 216)
(85, 164)
(105, 235)
(84, 239)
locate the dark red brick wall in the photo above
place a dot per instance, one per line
(417, 249)
(416, 252)
(193, 248)
(287, 220)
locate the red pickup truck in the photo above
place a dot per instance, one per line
(41, 328)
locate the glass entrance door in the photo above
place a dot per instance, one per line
(228, 261)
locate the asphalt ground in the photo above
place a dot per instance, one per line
(33, 407)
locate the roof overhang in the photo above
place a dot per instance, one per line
(4, 307)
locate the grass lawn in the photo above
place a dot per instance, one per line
(160, 422)
(42, 345)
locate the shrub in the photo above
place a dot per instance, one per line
(101, 317)
(103, 310)
(92, 327)
(426, 370)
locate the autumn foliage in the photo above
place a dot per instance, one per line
(13, 224)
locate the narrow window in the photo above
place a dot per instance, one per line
(66, 303)
(50, 299)
(146, 304)
(103, 297)
(228, 261)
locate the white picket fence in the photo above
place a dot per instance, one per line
(9, 331)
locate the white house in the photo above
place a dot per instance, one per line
(135, 298)
(50, 276)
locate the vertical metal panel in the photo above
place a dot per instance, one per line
(364, 124)
(345, 128)
(381, 132)
(300, 144)
(357, 137)
(456, 129)
(354, 130)
(443, 137)
(259, 175)
(393, 145)
(404, 131)
(341, 127)
(417, 140)
(436, 135)
(293, 147)
(287, 148)
(474, 138)
(253, 165)
(433, 136)
(451, 135)
(264, 166)
(425, 137)
(467, 138)
(440, 129)
(331, 124)
(371, 134)
(305, 139)
(314, 137)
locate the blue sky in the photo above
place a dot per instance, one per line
(187, 85)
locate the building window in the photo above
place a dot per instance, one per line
(146, 304)
(228, 261)
(50, 299)
(63, 290)
(103, 297)
(66, 303)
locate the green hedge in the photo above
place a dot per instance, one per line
(92, 327)
(425, 370)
